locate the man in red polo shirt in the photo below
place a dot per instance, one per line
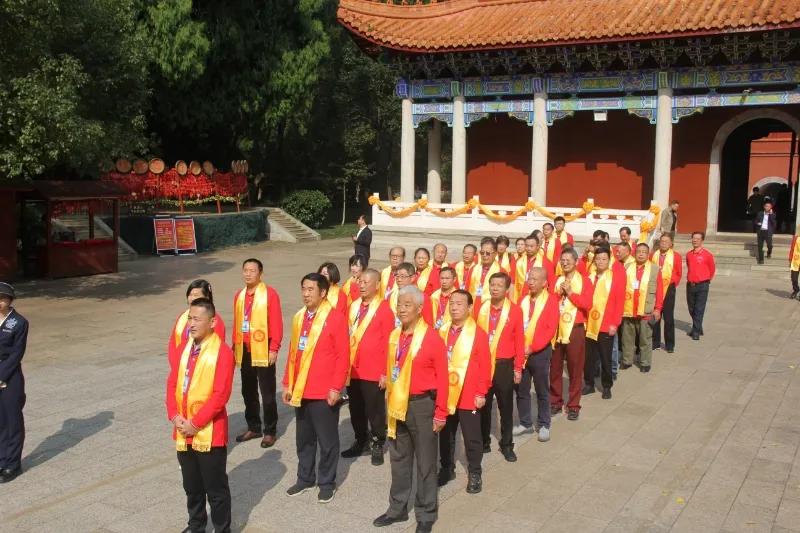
(198, 387)
(315, 374)
(469, 366)
(700, 270)
(502, 321)
(416, 403)
(371, 321)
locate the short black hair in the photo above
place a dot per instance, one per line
(643, 245)
(465, 293)
(559, 219)
(206, 304)
(319, 279)
(501, 275)
(533, 237)
(474, 248)
(598, 234)
(502, 239)
(408, 268)
(204, 286)
(520, 239)
(569, 251)
(626, 229)
(362, 215)
(701, 233)
(447, 269)
(602, 250)
(333, 272)
(418, 250)
(756, 189)
(624, 245)
(489, 240)
(548, 224)
(256, 261)
(358, 259)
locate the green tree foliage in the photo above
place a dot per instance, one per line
(309, 207)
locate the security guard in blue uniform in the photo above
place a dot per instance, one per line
(13, 339)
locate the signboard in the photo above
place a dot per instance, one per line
(184, 235)
(165, 235)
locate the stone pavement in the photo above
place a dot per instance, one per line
(706, 442)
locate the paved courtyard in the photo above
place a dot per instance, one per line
(708, 441)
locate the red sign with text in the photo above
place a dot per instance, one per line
(184, 235)
(164, 235)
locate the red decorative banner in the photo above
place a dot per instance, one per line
(184, 235)
(165, 235)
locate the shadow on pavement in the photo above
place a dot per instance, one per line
(683, 325)
(779, 294)
(73, 431)
(259, 476)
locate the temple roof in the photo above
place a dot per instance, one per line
(453, 25)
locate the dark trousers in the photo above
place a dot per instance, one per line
(415, 441)
(795, 284)
(503, 389)
(764, 236)
(253, 379)
(367, 404)
(317, 427)
(668, 319)
(575, 354)
(204, 478)
(598, 351)
(471, 431)
(696, 298)
(12, 422)
(537, 368)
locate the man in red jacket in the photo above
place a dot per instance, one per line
(196, 408)
(371, 321)
(604, 320)
(316, 372)
(469, 371)
(416, 403)
(502, 321)
(539, 324)
(574, 292)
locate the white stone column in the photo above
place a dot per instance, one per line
(407, 153)
(435, 162)
(663, 159)
(458, 183)
(539, 149)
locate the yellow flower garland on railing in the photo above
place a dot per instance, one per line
(646, 226)
(471, 204)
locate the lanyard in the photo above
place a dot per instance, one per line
(195, 351)
(443, 301)
(402, 348)
(362, 311)
(493, 318)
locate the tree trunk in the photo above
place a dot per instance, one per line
(344, 201)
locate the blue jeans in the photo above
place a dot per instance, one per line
(615, 355)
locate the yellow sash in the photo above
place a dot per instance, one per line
(461, 270)
(333, 294)
(562, 237)
(521, 277)
(259, 342)
(386, 274)
(297, 386)
(549, 251)
(199, 391)
(397, 392)
(180, 328)
(666, 270)
(569, 311)
(795, 262)
(357, 331)
(348, 289)
(504, 261)
(530, 322)
(602, 288)
(629, 311)
(436, 299)
(478, 289)
(458, 361)
(423, 277)
(483, 322)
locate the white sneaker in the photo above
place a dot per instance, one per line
(544, 434)
(519, 429)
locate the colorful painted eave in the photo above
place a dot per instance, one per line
(467, 25)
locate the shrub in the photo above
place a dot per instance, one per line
(309, 207)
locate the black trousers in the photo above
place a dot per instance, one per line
(12, 422)
(599, 351)
(537, 369)
(696, 298)
(503, 389)
(668, 319)
(367, 404)
(764, 236)
(317, 427)
(471, 431)
(204, 478)
(253, 379)
(415, 442)
(795, 284)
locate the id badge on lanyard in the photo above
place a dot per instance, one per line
(479, 291)
(438, 324)
(301, 344)
(635, 285)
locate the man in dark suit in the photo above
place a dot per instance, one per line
(13, 340)
(363, 239)
(765, 224)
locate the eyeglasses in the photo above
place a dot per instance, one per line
(396, 256)
(401, 276)
(486, 253)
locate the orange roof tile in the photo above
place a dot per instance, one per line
(490, 24)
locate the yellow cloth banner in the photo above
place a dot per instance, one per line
(568, 310)
(666, 270)
(483, 322)
(199, 391)
(397, 392)
(602, 289)
(298, 385)
(258, 322)
(357, 330)
(628, 310)
(458, 361)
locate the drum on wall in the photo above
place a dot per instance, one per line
(181, 167)
(208, 167)
(245, 166)
(140, 166)
(235, 166)
(123, 166)
(157, 165)
(195, 168)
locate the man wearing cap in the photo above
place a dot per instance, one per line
(13, 339)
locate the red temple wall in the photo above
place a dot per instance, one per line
(8, 236)
(499, 160)
(769, 158)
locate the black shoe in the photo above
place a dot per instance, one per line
(248, 435)
(8, 474)
(386, 520)
(644, 369)
(487, 447)
(670, 350)
(769, 255)
(624, 366)
(377, 454)
(587, 389)
(761, 262)
(325, 495)
(475, 484)
(446, 475)
(555, 410)
(614, 376)
(695, 336)
(690, 333)
(424, 527)
(297, 489)
(509, 455)
(606, 393)
(793, 295)
(356, 450)
(573, 414)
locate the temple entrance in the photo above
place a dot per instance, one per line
(758, 153)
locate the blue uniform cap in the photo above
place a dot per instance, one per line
(6, 290)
